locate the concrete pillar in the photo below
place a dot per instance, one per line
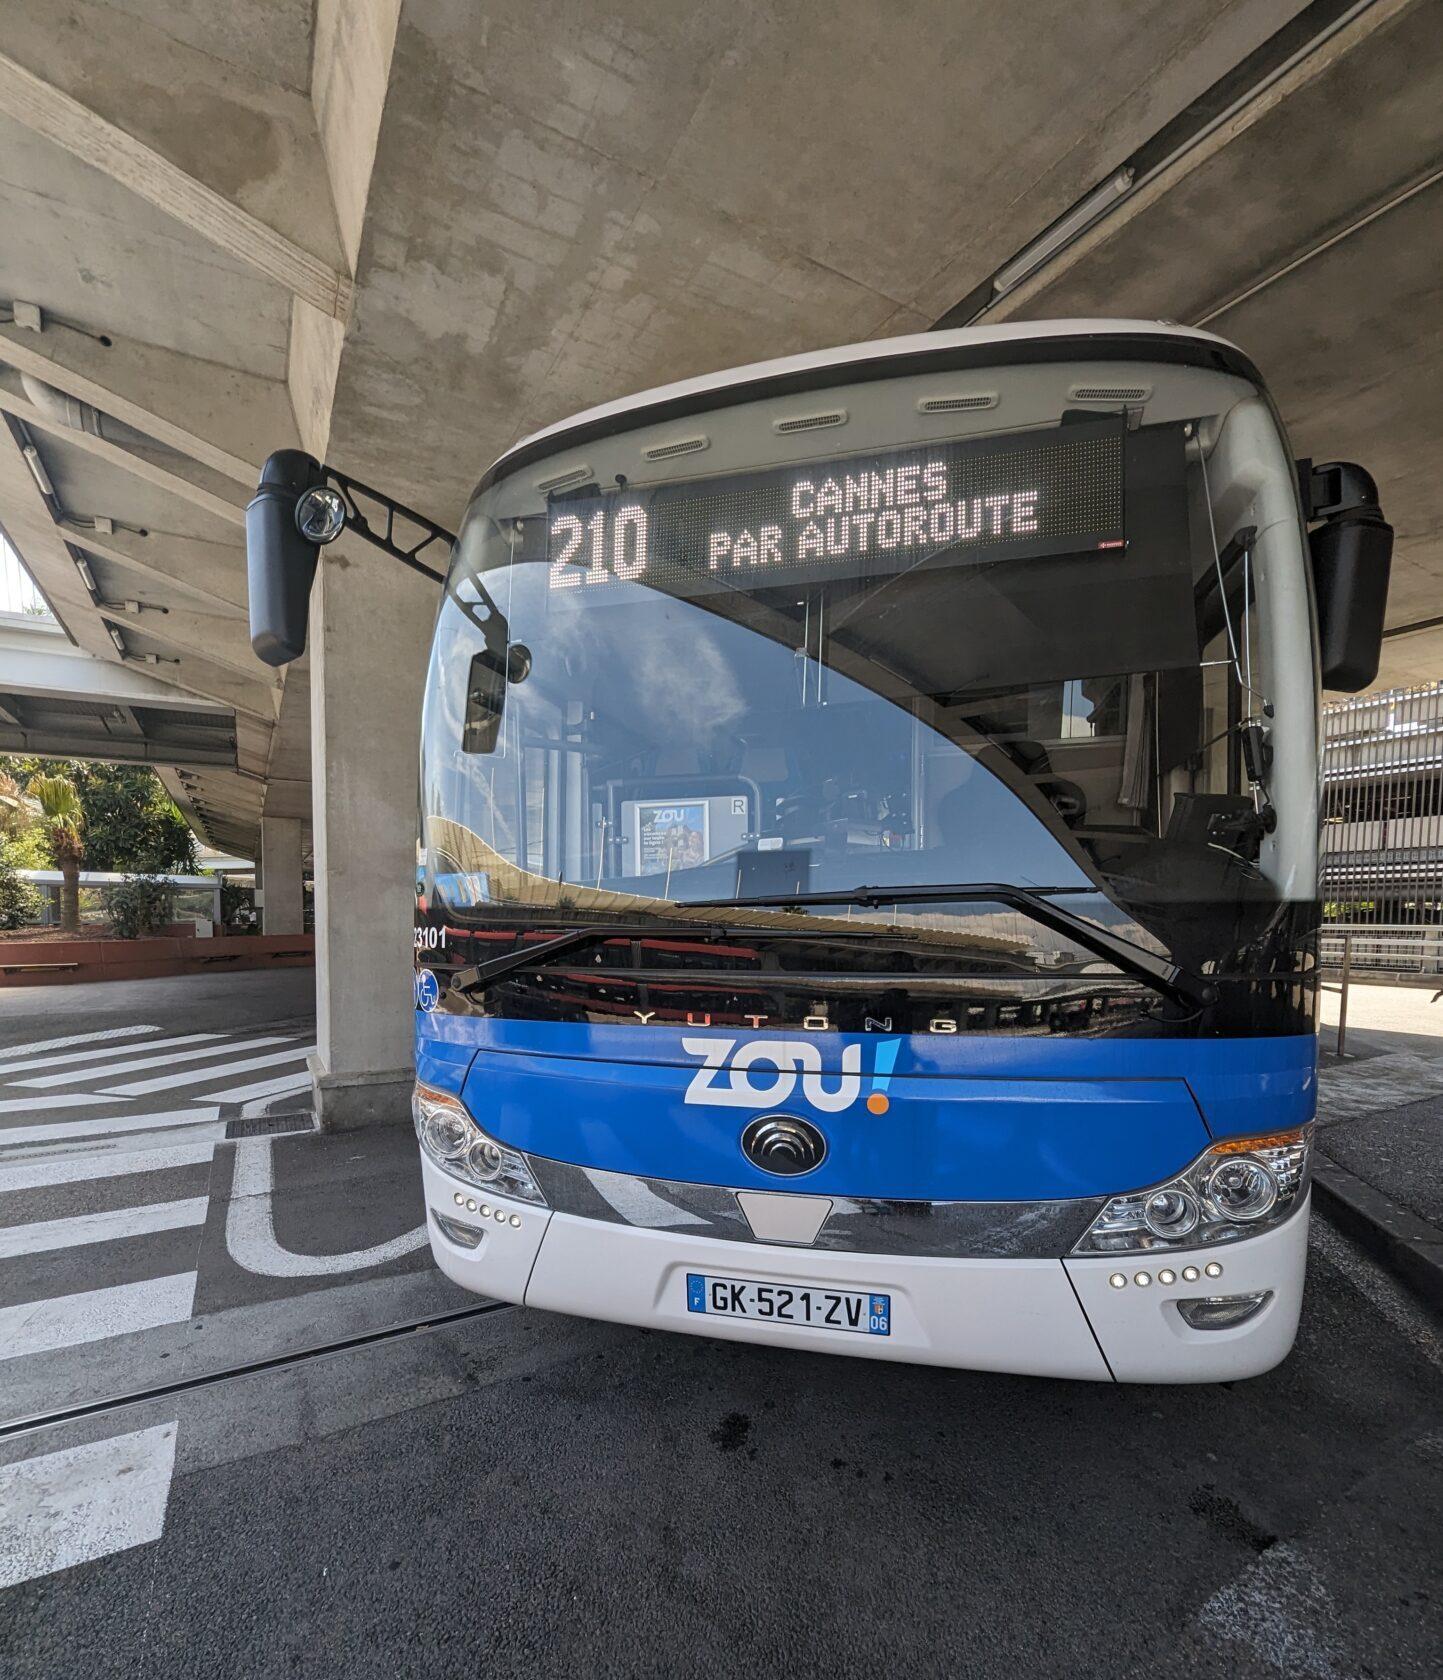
(370, 628)
(283, 897)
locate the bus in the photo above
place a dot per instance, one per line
(867, 874)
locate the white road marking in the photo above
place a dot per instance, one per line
(29, 1064)
(114, 1225)
(84, 1165)
(1280, 1610)
(250, 1231)
(287, 1085)
(76, 1038)
(105, 1125)
(92, 1315)
(83, 1503)
(24, 1105)
(170, 1081)
(99, 1075)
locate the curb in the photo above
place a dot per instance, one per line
(1408, 1246)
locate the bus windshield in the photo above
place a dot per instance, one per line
(1058, 649)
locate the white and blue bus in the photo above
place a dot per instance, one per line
(868, 857)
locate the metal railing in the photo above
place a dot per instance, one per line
(1382, 851)
(1399, 950)
(1403, 955)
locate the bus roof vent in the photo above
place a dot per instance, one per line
(562, 481)
(1110, 393)
(811, 422)
(956, 404)
(681, 446)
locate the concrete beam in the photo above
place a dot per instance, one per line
(174, 562)
(103, 449)
(219, 641)
(284, 798)
(41, 661)
(43, 742)
(221, 417)
(192, 672)
(40, 102)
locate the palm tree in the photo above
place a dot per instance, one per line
(63, 819)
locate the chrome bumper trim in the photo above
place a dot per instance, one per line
(863, 1225)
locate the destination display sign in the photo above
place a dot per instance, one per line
(859, 517)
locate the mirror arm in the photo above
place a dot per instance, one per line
(385, 539)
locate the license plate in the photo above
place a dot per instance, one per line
(789, 1303)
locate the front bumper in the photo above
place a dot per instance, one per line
(1030, 1316)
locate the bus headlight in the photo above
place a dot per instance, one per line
(458, 1146)
(1236, 1188)
(1171, 1214)
(1241, 1188)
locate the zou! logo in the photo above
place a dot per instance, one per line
(764, 1072)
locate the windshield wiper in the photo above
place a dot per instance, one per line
(1038, 903)
(574, 938)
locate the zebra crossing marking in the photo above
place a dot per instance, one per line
(83, 1503)
(102, 1075)
(172, 1081)
(101, 1126)
(108, 1034)
(68, 1099)
(288, 1085)
(113, 1225)
(27, 1063)
(80, 1166)
(93, 1315)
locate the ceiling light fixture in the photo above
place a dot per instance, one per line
(37, 471)
(1064, 230)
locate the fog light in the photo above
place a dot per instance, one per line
(1190, 1274)
(1223, 1312)
(1170, 1214)
(1241, 1187)
(460, 1233)
(1167, 1277)
(1118, 1280)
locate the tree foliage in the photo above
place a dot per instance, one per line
(62, 821)
(139, 906)
(129, 821)
(19, 901)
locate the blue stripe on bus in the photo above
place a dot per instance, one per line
(960, 1117)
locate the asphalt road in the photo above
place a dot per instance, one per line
(537, 1495)
(524, 1494)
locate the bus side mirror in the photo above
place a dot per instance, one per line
(1352, 550)
(291, 514)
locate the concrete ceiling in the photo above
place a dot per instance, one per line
(405, 232)
(1314, 244)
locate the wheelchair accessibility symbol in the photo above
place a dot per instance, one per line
(428, 990)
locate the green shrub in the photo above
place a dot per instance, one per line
(142, 905)
(19, 901)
